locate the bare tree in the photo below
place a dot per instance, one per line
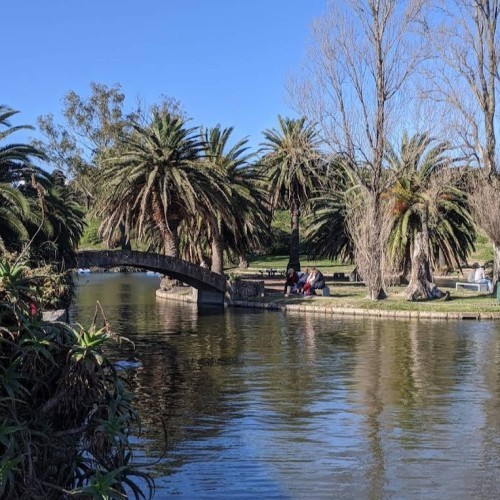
(369, 229)
(362, 58)
(465, 40)
(484, 198)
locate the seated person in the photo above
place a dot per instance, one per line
(292, 278)
(480, 277)
(319, 282)
(315, 281)
(302, 281)
(307, 288)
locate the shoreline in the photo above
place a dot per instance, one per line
(357, 311)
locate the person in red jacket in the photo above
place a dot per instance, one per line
(292, 279)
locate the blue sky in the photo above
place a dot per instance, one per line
(227, 61)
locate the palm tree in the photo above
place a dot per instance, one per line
(15, 167)
(157, 179)
(65, 216)
(431, 211)
(293, 168)
(326, 231)
(234, 223)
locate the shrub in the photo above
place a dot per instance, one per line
(91, 234)
(65, 414)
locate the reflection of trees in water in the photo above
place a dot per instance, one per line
(488, 366)
(184, 376)
(404, 374)
(368, 379)
(388, 387)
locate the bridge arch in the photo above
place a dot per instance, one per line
(211, 286)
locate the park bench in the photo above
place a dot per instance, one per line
(480, 287)
(271, 272)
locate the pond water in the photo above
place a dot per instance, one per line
(259, 404)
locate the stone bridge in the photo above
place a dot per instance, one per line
(210, 286)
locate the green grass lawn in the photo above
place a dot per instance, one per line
(354, 295)
(483, 253)
(260, 262)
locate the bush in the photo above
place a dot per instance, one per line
(65, 414)
(91, 234)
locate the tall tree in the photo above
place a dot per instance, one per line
(157, 179)
(362, 58)
(91, 132)
(466, 47)
(293, 168)
(16, 165)
(430, 210)
(234, 222)
(326, 232)
(59, 221)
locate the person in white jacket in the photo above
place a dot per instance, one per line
(480, 277)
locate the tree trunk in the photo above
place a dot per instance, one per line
(171, 239)
(171, 248)
(443, 266)
(217, 253)
(425, 247)
(375, 276)
(496, 266)
(243, 263)
(420, 287)
(294, 261)
(405, 276)
(124, 237)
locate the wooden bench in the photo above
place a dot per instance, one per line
(473, 286)
(271, 272)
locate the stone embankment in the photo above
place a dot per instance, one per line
(346, 311)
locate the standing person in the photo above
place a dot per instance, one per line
(292, 278)
(480, 277)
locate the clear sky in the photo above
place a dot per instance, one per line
(227, 61)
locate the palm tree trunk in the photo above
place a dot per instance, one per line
(124, 237)
(426, 246)
(171, 249)
(171, 238)
(243, 261)
(217, 253)
(442, 260)
(294, 261)
(420, 287)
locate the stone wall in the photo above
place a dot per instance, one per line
(243, 290)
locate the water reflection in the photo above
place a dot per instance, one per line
(263, 404)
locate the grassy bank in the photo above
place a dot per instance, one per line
(353, 296)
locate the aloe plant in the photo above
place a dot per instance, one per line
(65, 414)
